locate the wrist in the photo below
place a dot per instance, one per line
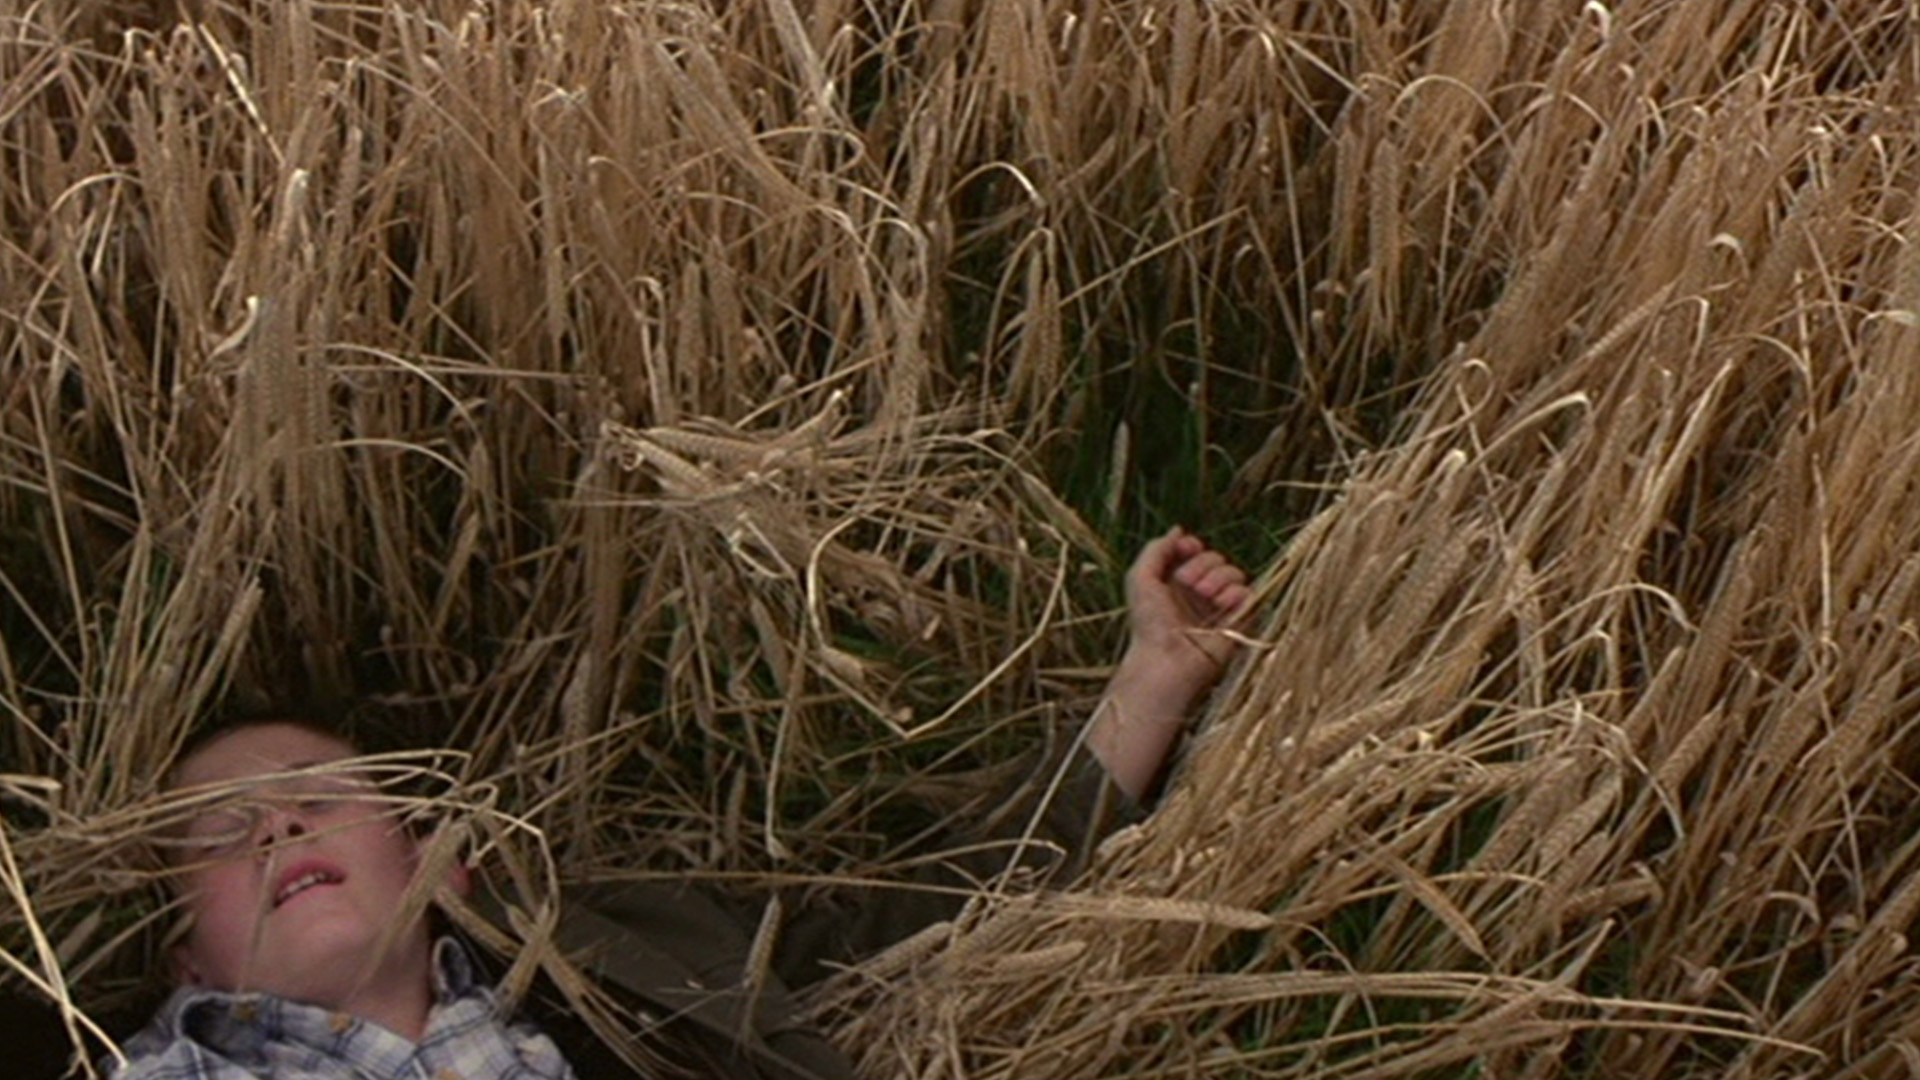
(1158, 688)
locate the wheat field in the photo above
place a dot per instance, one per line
(720, 426)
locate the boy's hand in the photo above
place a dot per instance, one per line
(1180, 595)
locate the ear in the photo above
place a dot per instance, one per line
(460, 878)
(458, 875)
(180, 963)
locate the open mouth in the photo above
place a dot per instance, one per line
(304, 877)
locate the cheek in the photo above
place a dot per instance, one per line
(224, 907)
(219, 894)
(380, 850)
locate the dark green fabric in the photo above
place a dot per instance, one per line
(681, 955)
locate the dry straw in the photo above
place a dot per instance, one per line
(664, 404)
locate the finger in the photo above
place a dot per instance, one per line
(1161, 557)
(1232, 602)
(1195, 569)
(1183, 545)
(1218, 579)
(1156, 556)
(1222, 609)
(1227, 572)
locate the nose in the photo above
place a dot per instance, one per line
(280, 823)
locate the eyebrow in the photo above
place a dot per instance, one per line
(268, 775)
(303, 765)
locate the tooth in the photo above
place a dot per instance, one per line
(302, 884)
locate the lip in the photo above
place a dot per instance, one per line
(301, 869)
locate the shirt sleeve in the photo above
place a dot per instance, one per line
(1044, 828)
(689, 950)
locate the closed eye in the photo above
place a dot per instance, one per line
(223, 828)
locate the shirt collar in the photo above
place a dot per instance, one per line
(455, 973)
(234, 1021)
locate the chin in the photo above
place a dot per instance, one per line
(322, 958)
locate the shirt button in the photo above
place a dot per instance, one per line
(446, 1074)
(340, 1022)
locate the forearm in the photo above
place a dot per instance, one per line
(1138, 721)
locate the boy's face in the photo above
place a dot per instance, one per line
(293, 884)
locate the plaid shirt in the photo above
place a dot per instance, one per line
(211, 1035)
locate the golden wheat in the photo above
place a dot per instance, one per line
(668, 404)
